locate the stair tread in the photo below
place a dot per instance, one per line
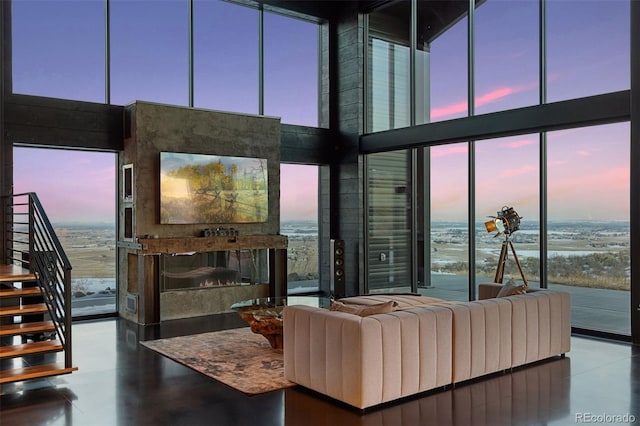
(23, 310)
(18, 292)
(34, 372)
(24, 349)
(13, 273)
(26, 327)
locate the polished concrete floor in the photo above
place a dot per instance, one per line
(120, 382)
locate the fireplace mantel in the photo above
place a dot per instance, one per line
(149, 246)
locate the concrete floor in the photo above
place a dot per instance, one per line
(120, 382)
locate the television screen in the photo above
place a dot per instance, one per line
(202, 188)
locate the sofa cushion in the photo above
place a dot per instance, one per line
(404, 301)
(363, 310)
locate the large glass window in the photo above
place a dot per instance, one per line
(388, 89)
(506, 55)
(77, 191)
(389, 221)
(588, 230)
(587, 48)
(225, 56)
(508, 175)
(448, 70)
(58, 49)
(446, 254)
(299, 222)
(291, 69)
(149, 51)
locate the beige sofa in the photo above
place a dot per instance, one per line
(425, 344)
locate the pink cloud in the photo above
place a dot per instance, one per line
(519, 143)
(594, 183)
(527, 168)
(588, 196)
(584, 153)
(495, 95)
(554, 163)
(447, 150)
(481, 100)
(449, 110)
(553, 76)
(616, 177)
(448, 199)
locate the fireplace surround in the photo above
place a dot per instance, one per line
(172, 270)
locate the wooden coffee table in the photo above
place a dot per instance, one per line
(264, 315)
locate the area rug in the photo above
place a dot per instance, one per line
(238, 358)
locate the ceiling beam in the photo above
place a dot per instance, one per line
(588, 111)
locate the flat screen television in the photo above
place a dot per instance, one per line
(204, 188)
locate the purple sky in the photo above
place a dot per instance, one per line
(73, 186)
(81, 185)
(59, 52)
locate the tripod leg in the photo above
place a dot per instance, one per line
(503, 259)
(515, 257)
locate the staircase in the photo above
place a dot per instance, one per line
(35, 308)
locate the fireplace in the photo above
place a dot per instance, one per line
(197, 270)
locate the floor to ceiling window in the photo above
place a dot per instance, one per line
(570, 188)
(61, 49)
(299, 222)
(446, 257)
(588, 231)
(77, 191)
(508, 175)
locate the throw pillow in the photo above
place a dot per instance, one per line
(363, 310)
(521, 289)
(510, 288)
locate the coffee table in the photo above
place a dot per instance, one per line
(264, 315)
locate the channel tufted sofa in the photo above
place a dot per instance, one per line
(425, 343)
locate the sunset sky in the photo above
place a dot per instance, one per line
(59, 52)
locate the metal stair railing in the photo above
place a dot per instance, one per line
(32, 243)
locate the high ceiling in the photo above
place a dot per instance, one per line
(434, 17)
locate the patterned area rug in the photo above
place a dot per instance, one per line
(238, 358)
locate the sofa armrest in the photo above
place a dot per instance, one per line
(488, 290)
(541, 325)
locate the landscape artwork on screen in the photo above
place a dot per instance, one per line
(203, 188)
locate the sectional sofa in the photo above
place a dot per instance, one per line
(424, 343)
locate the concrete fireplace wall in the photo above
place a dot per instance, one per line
(153, 128)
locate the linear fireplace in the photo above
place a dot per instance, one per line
(191, 270)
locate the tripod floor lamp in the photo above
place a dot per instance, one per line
(506, 223)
